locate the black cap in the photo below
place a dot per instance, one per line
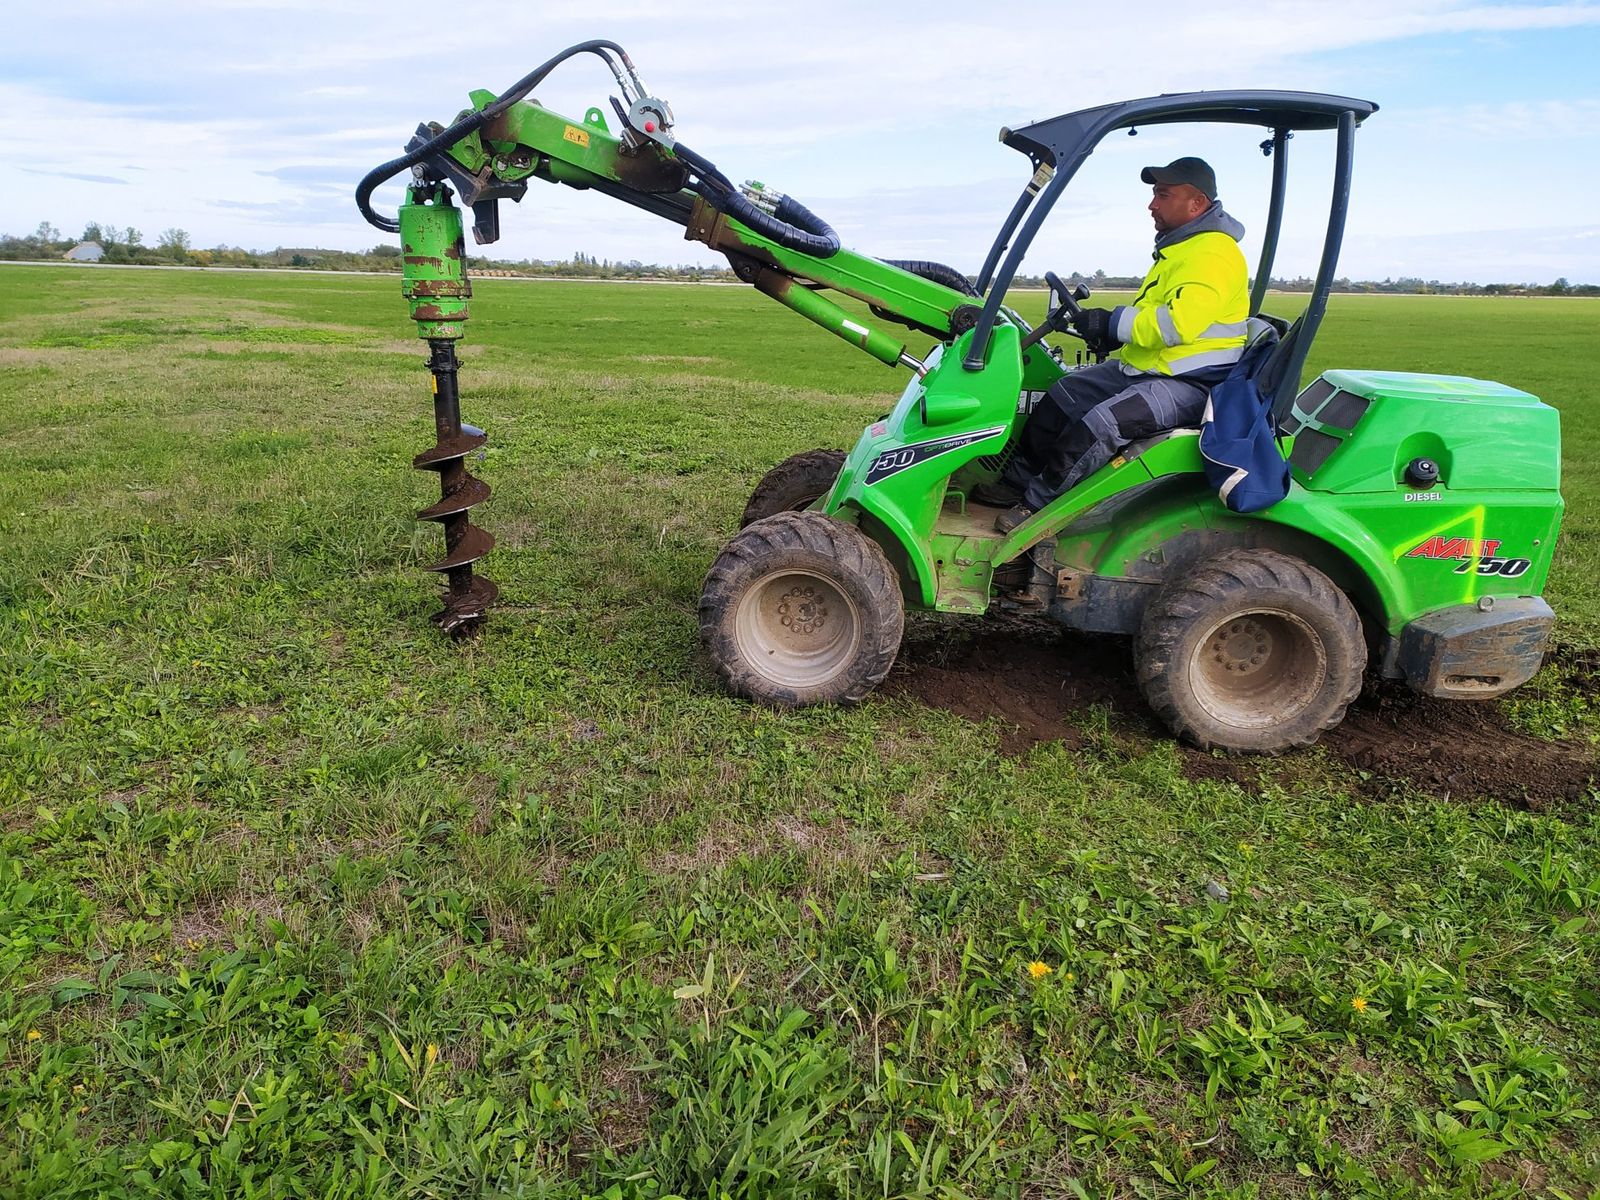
(1196, 172)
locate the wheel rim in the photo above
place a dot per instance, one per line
(1257, 669)
(797, 628)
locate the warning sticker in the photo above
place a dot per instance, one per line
(578, 137)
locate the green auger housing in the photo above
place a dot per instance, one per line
(433, 262)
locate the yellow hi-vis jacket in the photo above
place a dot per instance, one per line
(1191, 310)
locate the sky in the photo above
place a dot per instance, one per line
(249, 122)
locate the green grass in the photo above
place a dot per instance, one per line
(301, 899)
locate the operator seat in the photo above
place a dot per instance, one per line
(1256, 328)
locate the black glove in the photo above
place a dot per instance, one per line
(1094, 326)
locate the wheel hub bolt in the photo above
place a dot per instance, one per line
(1242, 647)
(800, 611)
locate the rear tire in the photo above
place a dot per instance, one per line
(1252, 651)
(801, 609)
(794, 484)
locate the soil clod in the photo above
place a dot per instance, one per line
(1040, 682)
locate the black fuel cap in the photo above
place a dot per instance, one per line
(1422, 472)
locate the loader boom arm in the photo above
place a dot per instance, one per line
(493, 150)
(644, 166)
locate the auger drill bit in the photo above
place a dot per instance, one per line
(436, 287)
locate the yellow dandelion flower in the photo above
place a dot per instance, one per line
(1359, 1003)
(34, 1035)
(1039, 970)
(433, 1053)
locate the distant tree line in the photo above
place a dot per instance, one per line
(174, 247)
(126, 245)
(1406, 285)
(121, 245)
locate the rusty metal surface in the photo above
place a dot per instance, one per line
(645, 170)
(774, 284)
(464, 612)
(471, 492)
(434, 282)
(707, 225)
(472, 545)
(446, 449)
(467, 596)
(433, 289)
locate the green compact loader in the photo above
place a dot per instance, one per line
(1416, 536)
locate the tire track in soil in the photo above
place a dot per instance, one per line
(1038, 679)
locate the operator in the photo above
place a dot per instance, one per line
(1182, 333)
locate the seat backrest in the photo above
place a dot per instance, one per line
(1255, 325)
(1270, 379)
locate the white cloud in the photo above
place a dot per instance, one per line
(1562, 120)
(250, 122)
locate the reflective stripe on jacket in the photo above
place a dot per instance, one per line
(1191, 309)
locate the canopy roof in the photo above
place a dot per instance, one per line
(1060, 139)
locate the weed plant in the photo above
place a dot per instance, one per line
(299, 899)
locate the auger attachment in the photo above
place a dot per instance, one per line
(435, 285)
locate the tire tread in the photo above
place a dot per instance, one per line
(811, 534)
(797, 480)
(1232, 575)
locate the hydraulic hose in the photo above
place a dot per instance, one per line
(476, 120)
(937, 272)
(792, 225)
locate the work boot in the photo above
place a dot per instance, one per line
(1000, 494)
(1012, 517)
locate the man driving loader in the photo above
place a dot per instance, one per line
(1183, 332)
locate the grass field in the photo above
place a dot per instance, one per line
(297, 898)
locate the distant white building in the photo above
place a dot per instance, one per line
(85, 252)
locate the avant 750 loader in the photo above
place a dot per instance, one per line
(1417, 533)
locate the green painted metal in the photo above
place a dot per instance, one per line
(1487, 529)
(543, 132)
(1482, 434)
(1402, 550)
(529, 140)
(433, 275)
(906, 503)
(819, 310)
(908, 296)
(1039, 370)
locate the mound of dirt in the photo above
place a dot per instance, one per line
(1457, 748)
(1039, 680)
(1027, 672)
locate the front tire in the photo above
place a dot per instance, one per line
(1252, 651)
(794, 485)
(801, 609)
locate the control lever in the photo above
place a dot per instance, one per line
(1069, 304)
(1066, 310)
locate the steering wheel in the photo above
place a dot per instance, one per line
(1066, 309)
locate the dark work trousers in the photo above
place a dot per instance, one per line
(1087, 416)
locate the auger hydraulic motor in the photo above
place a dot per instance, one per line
(436, 287)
